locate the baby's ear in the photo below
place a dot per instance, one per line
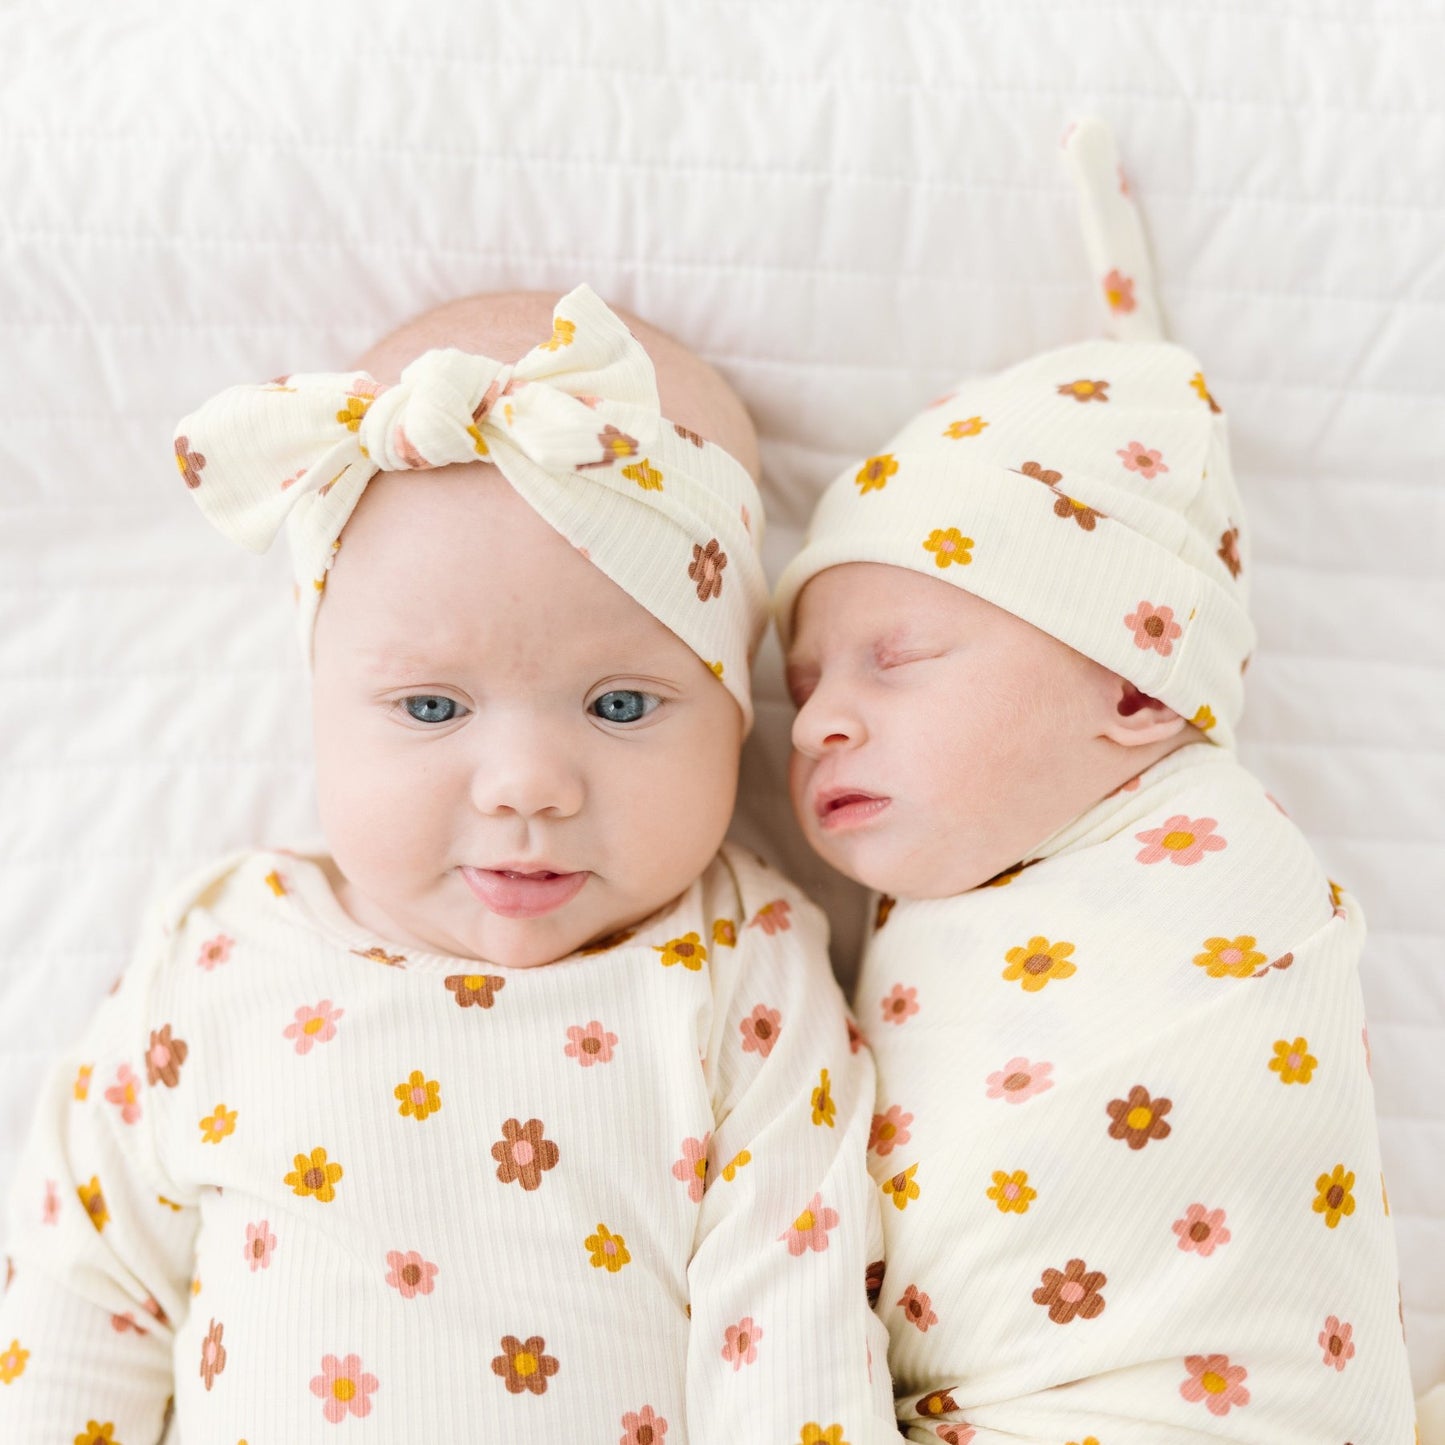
(1137, 719)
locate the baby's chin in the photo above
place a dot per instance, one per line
(882, 866)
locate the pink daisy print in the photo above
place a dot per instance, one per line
(409, 1273)
(1182, 840)
(899, 1004)
(810, 1229)
(313, 1025)
(691, 1168)
(773, 917)
(50, 1210)
(1139, 458)
(260, 1245)
(345, 1386)
(125, 1094)
(1215, 1382)
(213, 951)
(889, 1131)
(740, 1343)
(1335, 1341)
(1154, 627)
(1019, 1080)
(760, 1030)
(1201, 1231)
(589, 1044)
(917, 1308)
(643, 1427)
(1119, 291)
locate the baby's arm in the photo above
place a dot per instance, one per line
(784, 1345)
(100, 1245)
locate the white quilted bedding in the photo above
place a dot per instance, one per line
(845, 207)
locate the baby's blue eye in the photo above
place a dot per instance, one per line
(624, 706)
(428, 709)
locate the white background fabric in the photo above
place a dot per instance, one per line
(845, 207)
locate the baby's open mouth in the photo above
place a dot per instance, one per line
(844, 807)
(522, 892)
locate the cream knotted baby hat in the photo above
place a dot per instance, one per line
(575, 427)
(1087, 490)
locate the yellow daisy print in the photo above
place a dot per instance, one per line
(902, 1187)
(725, 933)
(1333, 1198)
(1011, 1192)
(563, 332)
(1293, 1062)
(12, 1363)
(688, 950)
(1037, 962)
(823, 1107)
(645, 475)
(92, 1200)
(81, 1087)
(419, 1097)
(97, 1434)
(815, 1434)
(607, 1250)
(479, 442)
(960, 429)
(1204, 719)
(730, 1169)
(874, 473)
(949, 546)
(314, 1176)
(351, 414)
(1230, 957)
(217, 1125)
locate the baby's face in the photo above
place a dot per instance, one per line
(939, 739)
(514, 758)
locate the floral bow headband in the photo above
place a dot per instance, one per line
(576, 428)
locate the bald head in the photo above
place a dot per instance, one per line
(506, 325)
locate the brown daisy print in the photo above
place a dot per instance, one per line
(706, 569)
(686, 435)
(523, 1154)
(1083, 391)
(1138, 1119)
(524, 1366)
(213, 1354)
(1047, 475)
(474, 988)
(616, 446)
(1067, 507)
(885, 907)
(164, 1058)
(190, 463)
(873, 1282)
(1072, 1292)
(1229, 551)
(936, 1403)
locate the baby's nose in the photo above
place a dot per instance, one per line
(525, 772)
(826, 721)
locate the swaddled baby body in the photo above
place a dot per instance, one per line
(1125, 1140)
(523, 1108)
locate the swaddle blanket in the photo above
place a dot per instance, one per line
(300, 1179)
(1126, 1138)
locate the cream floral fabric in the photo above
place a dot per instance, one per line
(574, 426)
(1126, 1140)
(301, 1179)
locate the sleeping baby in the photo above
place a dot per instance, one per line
(1125, 1142)
(524, 1109)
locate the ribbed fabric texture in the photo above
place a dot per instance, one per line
(1126, 1138)
(298, 1178)
(575, 428)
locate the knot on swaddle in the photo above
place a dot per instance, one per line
(576, 428)
(1087, 490)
